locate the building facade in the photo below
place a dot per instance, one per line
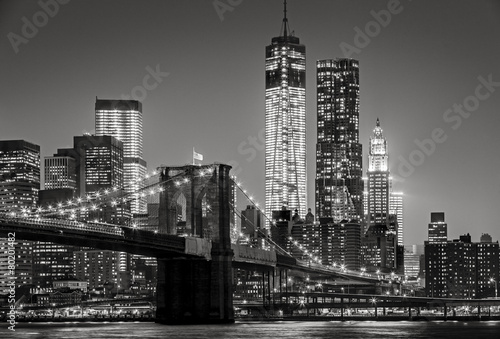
(60, 173)
(285, 107)
(339, 183)
(461, 268)
(122, 119)
(19, 188)
(438, 229)
(396, 208)
(378, 186)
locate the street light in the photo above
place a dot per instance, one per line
(496, 287)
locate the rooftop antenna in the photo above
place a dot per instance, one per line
(285, 21)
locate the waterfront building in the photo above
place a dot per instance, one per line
(461, 268)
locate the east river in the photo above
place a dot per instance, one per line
(259, 330)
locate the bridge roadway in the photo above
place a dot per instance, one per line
(128, 239)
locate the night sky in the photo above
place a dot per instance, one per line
(428, 58)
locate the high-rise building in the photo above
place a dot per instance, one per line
(19, 187)
(100, 163)
(52, 262)
(396, 208)
(339, 183)
(19, 175)
(123, 120)
(438, 229)
(378, 178)
(461, 268)
(60, 173)
(285, 158)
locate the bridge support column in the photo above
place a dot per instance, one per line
(445, 312)
(195, 291)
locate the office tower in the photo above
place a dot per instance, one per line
(123, 120)
(19, 187)
(438, 229)
(19, 175)
(378, 178)
(461, 268)
(60, 173)
(396, 208)
(285, 158)
(339, 183)
(100, 163)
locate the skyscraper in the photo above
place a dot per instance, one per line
(19, 187)
(378, 178)
(123, 120)
(100, 163)
(60, 173)
(339, 163)
(19, 175)
(285, 158)
(396, 208)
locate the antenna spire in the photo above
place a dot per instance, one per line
(285, 20)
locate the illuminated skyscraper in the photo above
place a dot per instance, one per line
(19, 188)
(378, 178)
(286, 123)
(339, 163)
(396, 208)
(60, 173)
(19, 175)
(123, 120)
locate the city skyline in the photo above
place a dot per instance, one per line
(413, 74)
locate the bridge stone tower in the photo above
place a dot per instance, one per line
(197, 290)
